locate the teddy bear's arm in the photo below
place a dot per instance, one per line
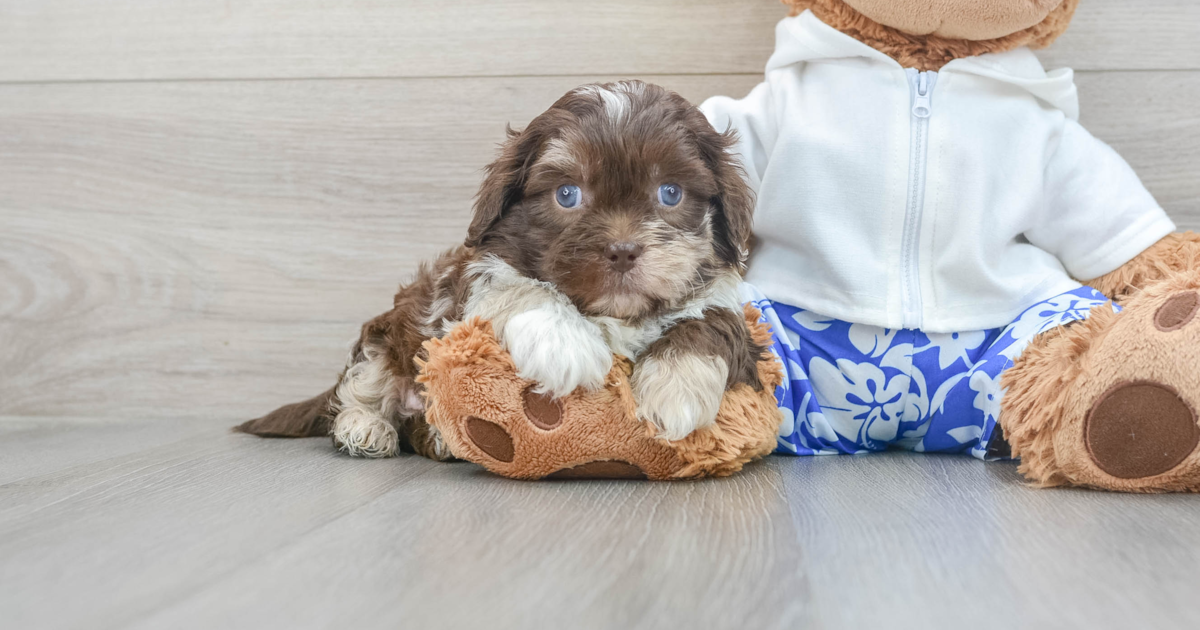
(1174, 253)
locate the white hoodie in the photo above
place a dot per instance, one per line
(947, 201)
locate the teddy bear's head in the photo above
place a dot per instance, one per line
(926, 34)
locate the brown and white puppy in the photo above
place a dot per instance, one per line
(616, 222)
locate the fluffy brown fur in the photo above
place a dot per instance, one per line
(1052, 384)
(1065, 373)
(661, 139)
(931, 52)
(622, 267)
(718, 333)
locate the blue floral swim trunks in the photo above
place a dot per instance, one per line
(853, 388)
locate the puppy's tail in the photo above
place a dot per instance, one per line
(311, 418)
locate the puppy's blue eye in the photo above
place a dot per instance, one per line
(670, 194)
(568, 196)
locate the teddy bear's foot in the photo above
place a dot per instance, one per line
(1111, 402)
(527, 435)
(489, 415)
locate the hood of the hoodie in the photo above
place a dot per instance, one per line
(806, 38)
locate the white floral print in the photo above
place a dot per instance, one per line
(871, 340)
(1041, 317)
(812, 321)
(860, 401)
(852, 388)
(987, 394)
(952, 347)
(817, 420)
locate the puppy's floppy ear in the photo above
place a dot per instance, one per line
(734, 202)
(504, 180)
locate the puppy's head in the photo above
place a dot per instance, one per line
(622, 195)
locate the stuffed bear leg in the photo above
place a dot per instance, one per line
(488, 415)
(1111, 402)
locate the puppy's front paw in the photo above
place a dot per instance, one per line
(361, 433)
(679, 393)
(559, 351)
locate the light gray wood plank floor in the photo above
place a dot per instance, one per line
(181, 524)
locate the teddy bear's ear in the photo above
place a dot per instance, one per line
(734, 202)
(504, 179)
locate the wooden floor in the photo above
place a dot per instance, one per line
(201, 201)
(169, 524)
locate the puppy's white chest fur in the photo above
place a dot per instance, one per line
(628, 340)
(631, 340)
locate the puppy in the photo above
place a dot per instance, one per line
(616, 222)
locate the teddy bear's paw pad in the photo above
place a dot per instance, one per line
(1177, 312)
(490, 438)
(612, 469)
(1140, 429)
(543, 410)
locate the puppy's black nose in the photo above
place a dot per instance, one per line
(623, 256)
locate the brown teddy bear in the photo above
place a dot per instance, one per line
(1107, 400)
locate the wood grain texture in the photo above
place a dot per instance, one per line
(910, 541)
(178, 39)
(474, 551)
(73, 40)
(1123, 35)
(35, 446)
(102, 544)
(1145, 117)
(211, 248)
(216, 530)
(284, 533)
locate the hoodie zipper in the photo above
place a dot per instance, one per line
(921, 87)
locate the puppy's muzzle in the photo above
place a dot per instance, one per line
(623, 256)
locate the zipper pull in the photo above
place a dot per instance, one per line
(922, 101)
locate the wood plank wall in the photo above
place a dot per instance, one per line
(200, 201)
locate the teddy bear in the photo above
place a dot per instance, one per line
(946, 260)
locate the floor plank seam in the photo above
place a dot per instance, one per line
(475, 77)
(449, 77)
